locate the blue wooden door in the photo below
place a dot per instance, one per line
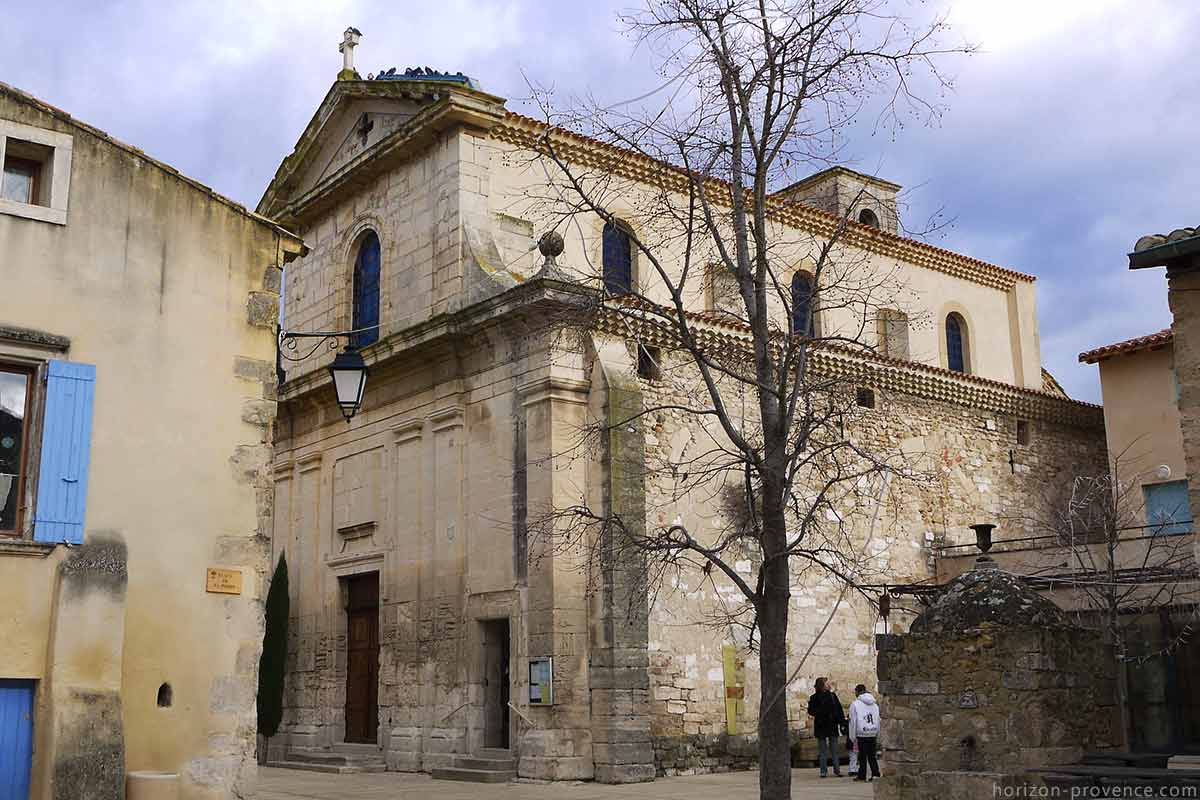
(16, 738)
(366, 291)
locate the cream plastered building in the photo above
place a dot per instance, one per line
(137, 395)
(1141, 423)
(430, 625)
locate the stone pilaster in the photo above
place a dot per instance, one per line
(84, 732)
(1183, 296)
(619, 625)
(558, 743)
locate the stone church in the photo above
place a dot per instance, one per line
(425, 633)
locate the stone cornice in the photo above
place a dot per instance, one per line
(863, 366)
(554, 387)
(576, 148)
(525, 298)
(35, 339)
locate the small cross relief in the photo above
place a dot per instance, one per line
(365, 126)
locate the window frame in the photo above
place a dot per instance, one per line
(35, 177)
(964, 342)
(30, 427)
(1173, 526)
(621, 227)
(367, 339)
(649, 362)
(58, 163)
(814, 329)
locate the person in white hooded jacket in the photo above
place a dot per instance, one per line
(864, 730)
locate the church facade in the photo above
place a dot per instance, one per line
(430, 623)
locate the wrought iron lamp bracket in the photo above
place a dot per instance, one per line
(289, 346)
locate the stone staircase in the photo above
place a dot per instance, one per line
(490, 765)
(341, 759)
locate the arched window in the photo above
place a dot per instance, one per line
(868, 217)
(618, 259)
(804, 317)
(366, 291)
(958, 356)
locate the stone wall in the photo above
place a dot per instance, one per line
(970, 468)
(701, 754)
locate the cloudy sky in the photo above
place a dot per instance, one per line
(1071, 133)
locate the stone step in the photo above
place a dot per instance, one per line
(473, 775)
(469, 762)
(495, 752)
(368, 761)
(319, 757)
(336, 769)
(358, 749)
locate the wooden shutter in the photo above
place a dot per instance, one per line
(66, 448)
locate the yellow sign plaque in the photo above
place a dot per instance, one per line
(223, 581)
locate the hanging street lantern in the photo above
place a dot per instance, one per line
(349, 373)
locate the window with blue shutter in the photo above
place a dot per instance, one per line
(1167, 507)
(618, 260)
(66, 449)
(366, 291)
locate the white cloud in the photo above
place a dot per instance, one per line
(1070, 135)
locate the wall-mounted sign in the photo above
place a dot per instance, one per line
(968, 699)
(223, 581)
(541, 681)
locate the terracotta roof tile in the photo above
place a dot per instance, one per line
(1156, 239)
(1128, 346)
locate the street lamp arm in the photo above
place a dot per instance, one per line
(348, 372)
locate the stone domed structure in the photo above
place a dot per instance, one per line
(988, 596)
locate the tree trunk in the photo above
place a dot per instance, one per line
(774, 738)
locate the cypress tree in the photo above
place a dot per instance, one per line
(273, 662)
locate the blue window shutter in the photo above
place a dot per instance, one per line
(66, 447)
(1167, 508)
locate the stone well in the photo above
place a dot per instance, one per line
(991, 680)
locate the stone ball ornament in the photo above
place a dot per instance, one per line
(551, 244)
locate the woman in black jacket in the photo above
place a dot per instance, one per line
(828, 722)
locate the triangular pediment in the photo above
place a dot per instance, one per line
(356, 118)
(357, 126)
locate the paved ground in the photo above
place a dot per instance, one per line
(286, 784)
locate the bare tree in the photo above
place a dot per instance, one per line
(1119, 564)
(757, 92)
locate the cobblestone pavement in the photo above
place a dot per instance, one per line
(286, 784)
